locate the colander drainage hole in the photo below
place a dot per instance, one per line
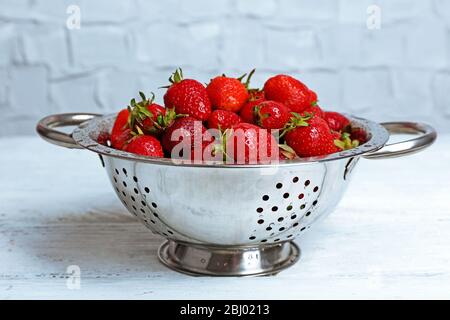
(135, 179)
(275, 208)
(117, 171)
(134, 208)
(269, 228)
(293, 216)
(276, 240)
(259, 210)
(124, 171)
(301, 196)
(260, 221)
(170, 232)
(308, 213)
(265, 197)
(152, 221)
(302, 206)
(252, 238)
(316, 188)
(295, 224)
(136, 191)
(115, 179)
(132, 198)
(117, 189)
(302, 229)
(295, 180)
(155, 214)
(124, 194)
(289, 236)
(280, 219)
(281, 229)
(307, 182)
(263, 240)
(143, 203)
(286, 195)
(154, 205)
(289, 207)
(314, 203)
(279, 185)
(147, 190)
(124, 184)
(142, 210)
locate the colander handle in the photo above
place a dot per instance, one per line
(45, 128)
(426, 135)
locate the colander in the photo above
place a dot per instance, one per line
(230, 219)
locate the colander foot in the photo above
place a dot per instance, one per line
(198, 260)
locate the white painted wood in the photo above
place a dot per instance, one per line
(389, 237)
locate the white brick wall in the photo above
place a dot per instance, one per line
(401, 71)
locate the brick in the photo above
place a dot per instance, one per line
(307, 10)
(291, 49)
(4, 81)
(116, 88)
(401, 10)
(442, 8)
(326, 84)
(28, 90)
(104, 11)
(243, 46)
(382, 47)
(15, 9)
(173, 45)
(441, 88)
(75, 94)
(7, 44)
(354, 11)
(88, 53)
(257, 8)
(202, 9)
(412, 92)
(427, 45)
(156, 11)
(366, 90)
(47, 47)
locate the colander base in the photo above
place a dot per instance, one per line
(198, 260)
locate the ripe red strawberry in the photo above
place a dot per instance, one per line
(358, 134)
(310, 137)
(222, 119)
(247, 143)
(121, 132)
(313, 98)
(149, 117)
(188, 97)
(272, 114)
(289, 91)
(228, 93)
(315, 110)
(188, 131)
(336, 121)
(146, 146)
(247, 112)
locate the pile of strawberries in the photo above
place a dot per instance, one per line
(229, 121)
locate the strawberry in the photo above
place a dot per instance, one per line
(313, 98)
(247, 112)
(222, 119)
(121, 132)
(150, 117)
(289, 91)
(358, 134)
(188, 131)
(309, 136)
(272, 114)
(146, 146)
(228, 93)
(336, 121)
(188, 97)
(314, 109)
(247, 143)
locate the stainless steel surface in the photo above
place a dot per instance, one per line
(426, 135)
(228, 261)
(46, 125)
(202, 207)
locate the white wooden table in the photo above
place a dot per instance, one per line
(389, 237)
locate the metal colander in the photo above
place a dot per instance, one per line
(222, 219)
